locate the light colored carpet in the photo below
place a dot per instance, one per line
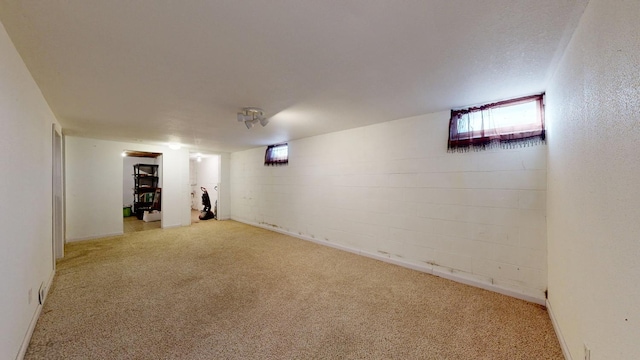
(225, 290)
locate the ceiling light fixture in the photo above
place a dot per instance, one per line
(252, 116)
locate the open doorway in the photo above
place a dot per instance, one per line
(204, 172)
(58, 197)
(141, 191)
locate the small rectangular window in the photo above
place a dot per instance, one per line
(516, 122)
(277, 155)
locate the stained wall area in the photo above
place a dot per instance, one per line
(392, 191)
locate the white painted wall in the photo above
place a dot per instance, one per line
(193, 182)
(94, 174)
(593, 107)
(224, 189)
(391, 190)
(25, 198)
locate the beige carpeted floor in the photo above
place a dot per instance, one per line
(225, 290)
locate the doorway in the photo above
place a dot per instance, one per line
(204, 172)
(141, 191)
(57, 197)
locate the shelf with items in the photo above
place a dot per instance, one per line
(146, 192)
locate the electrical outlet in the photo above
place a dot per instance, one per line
(587, 352)
(30, 295)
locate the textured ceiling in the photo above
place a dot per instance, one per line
(178, 71)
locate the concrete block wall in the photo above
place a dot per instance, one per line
(392, 191)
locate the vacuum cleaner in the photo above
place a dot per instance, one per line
(206, 213)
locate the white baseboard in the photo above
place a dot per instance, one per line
(457, 276)
(556, 328)
(94, 237)
(34, 320)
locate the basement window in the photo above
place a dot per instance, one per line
(505, 124)
(277, 155)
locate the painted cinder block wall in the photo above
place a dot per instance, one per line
(392, 191)
(593, 117)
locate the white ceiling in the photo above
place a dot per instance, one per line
(178, 71)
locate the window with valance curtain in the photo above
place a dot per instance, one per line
(506, 124)
(277, 155)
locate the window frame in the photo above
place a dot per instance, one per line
(505, 136)
(271, 158)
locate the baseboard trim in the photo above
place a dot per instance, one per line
(449, 274)
(556, 328)
(95, 237)
(34, 320)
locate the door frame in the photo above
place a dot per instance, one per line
(57, 195)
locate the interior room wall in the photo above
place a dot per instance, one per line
(224, 189)
(593, 231)
(94, 173)
(26, 258)
(393, 192)
(193, 182)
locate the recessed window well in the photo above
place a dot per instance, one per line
(277, 155)
(510, 123)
